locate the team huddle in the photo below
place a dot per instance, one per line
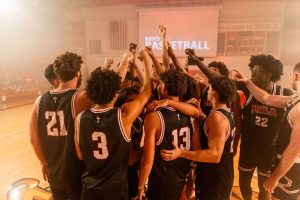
(145, 132)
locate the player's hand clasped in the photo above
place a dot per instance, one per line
(270, 184)
(171, 154)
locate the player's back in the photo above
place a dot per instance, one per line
(56, 129)
(105, 149)
(214, 180)
(167, 177)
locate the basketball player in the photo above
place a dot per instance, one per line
(103, 134)
(51, 76)
(127, 95)
(52, 129)
(260, 125)
(215, 159)
(162, 128)
(284, 181)
(215, 69)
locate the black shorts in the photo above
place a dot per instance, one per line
(289, 185)
(262, 159)
(92, 194)
(157, 190)
(71, 192)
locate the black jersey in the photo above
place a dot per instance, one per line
(286, 126)
(105, 149)
(261, 122)
(56, 129)
(214, 180)
(167, 177)
(205, 104)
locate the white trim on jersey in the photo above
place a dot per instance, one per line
(60, 92)
(162, 126)
(77, 125)
(73, 105)
(101, 110)
(274, 88)
(37, 105)
(170, 108)
(204, 128)
(127, 139)
(193, 125)
(248, 100)
(228, 134)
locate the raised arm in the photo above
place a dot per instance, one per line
(138, 71)
(210, 74)
(261, 95)
(131, 110)
(165, 56)
(179, 66)
(108, 61)
(157, 66)
(152, 125)
(290, 154)
(122, 68)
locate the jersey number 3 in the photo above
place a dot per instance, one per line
(102, 153)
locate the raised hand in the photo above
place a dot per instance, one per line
(108, 61)
(128, 57)
(132, 48)
(143, 54)
(149, 50)
(163, 30)
(238, 76)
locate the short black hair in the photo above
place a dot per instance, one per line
(67, 65)
(221, 67)
(103, 86)
(49, 73)
(297, 67)
(175, 82)
(190, 89)
(268, 63)
(124, 94)
(225, 87)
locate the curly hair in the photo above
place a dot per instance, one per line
(67, 65)
(175, 82)
(221, 67)
(103, 86)
(49, 73)
(225, 87)
(190, 89)
(268, 63)
(124, 94)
